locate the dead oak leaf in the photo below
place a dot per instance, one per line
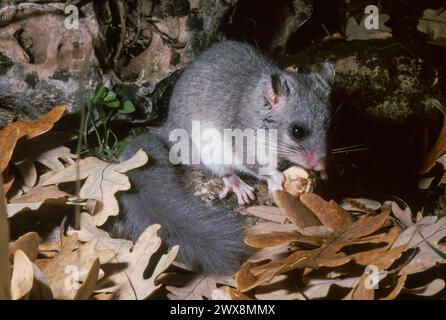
(319, 288)
(197, 286)
(33, 128)
(8, 184)
(361, 291)
(325, 287)
(383, 256)
(103, 180)
(398, 287)
(361, 205)
(428, 229)
(87, 287)
(228, 293)
(250, 277)
(268, 213)
(28, 129)
(102, 296)
(46, 149)
(355, 31)
(432, 23)
(266, 227)
(369, 285)
(328, 255)
(436, 152)
(428, 290)
(49, 205)
(88, 231)
(293, 209)
(272, 253)
(314, 288)
(22, 276)
(127, 283)
(28, 244)
(282, 287)
(222, 293)
(282, 239)
(130, 283)
(5, 272)
(27, 281)
(71, 268)
(403, 215)
(8, 139)
(329, 213)
(39, 194)
(279, 249)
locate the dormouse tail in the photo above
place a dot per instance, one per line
(209, 239)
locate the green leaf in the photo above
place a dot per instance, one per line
(126, 107)
(437, 251)
(89, 105)
(98, 112)
(113, 104)
(98, 88)
(100, 94)
(110, 97)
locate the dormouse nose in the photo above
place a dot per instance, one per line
(314, 161)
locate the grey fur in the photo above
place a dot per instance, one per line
(209, 239)
(224, 89)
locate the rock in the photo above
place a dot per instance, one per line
(268, 26)
(147, 7)
(384, 79)
(176, 31)
(43, 64)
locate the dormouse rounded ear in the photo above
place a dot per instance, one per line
(275, 89)
(327, 72)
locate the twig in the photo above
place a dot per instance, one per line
(138, 23)
(326, 30)
(112, 74)
(394, 45)
(62, 230)
(171, 42)
(77, 209)
(408, 260)
(122, 35)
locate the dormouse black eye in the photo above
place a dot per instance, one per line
(298, 132)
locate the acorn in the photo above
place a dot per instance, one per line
(298, 181)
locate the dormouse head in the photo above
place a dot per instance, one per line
(300, 108)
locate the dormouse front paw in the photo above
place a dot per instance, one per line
(275, 181)
(243, 191)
